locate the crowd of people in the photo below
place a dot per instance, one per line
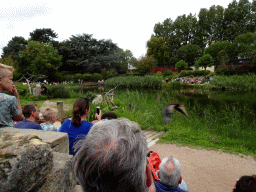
(190, 80)
(110, 153)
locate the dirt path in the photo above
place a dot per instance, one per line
(48, 103)
(207, 170)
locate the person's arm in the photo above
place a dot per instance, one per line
(98, 116)
(19, 117)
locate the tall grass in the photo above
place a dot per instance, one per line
(147, 81)
(235, 82)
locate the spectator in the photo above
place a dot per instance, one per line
(77, 127)
(31, 114)
(113, 158)
(109, 115)
(9, 104)
(170, 176)
(50, 117)
(246, 184)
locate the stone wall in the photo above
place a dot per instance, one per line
(33, 160)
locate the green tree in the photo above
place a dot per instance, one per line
(164, 29)
(39, 58)
(45, 35)
(158, 49)
(189, 53)
(181, 65)
(216, 47)
(223, 57)
(14, 46)
(144, 64)
(205, 61)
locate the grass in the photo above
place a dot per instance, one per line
(227, 128)
(234, 82)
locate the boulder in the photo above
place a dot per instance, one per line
(97, 100)
(25, 162)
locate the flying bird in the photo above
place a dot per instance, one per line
(168, 110)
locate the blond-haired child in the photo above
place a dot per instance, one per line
(50, 116)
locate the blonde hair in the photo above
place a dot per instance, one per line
(4, 68)
(48, 113)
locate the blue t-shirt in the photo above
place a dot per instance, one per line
(75, 133)
(8, 108)
(160, 187)
(26, 124)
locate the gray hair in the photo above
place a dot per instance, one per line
(4, 68)
(112, 157)
(170, 171)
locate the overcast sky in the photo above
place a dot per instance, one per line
(128, 23)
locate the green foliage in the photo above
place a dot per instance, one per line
(104, 73)
(58, 91)
(87, 77)
(216, 47)
(58, 77)
(159, 74)
(205, 61)
(223, 57)
(235, 82)
(39, 58)
(96, 77)
(111, 73)
(29, 97)
(167, 72)
(78, 76)
(189, 53)
(195, 73)
(180, 65)
(144, 64)
(147, 81)
(45, 35)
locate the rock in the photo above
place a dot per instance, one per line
(62, 176)
(25, 162)
(97, 100)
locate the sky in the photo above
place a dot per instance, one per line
(129, 24)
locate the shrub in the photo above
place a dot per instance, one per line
(111, 73)
(183, 74)
(78, 76)
(167, 72)
(205, 61)
(180, 65)
(96, 77)
(104, 73)
(69, 77)
(58, 77)
(159, 74)
(87, 77)
(190, 68)
(58, 91)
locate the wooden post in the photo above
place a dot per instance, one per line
(60, 110)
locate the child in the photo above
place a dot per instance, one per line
(50, 116)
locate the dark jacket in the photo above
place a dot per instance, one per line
(160, 187)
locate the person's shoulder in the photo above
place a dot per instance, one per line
(64, 125)
(4, 96)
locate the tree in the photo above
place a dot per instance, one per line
(39, 58)
(245, 45)
(189, 53)
(144, 64)
(223, 57)
(216, 47)
(205, 61)
(158, 49)
(181, 65)
(45, 35)
(14, 46)
(164, 29)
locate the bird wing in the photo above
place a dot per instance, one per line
(182, 109)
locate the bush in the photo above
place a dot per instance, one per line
(58, 91)
(87, 77)
(78, 76)
(159, 74)
(111, 73)
(69, 78)
(96, 77)
(58, 77)
(183, 74)
(180, 65)
(167, 72)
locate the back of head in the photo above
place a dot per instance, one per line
(48, 113)
(112, 157)
(246, 184)
(170, 171)
(4, 69)
(27, 110)
(109, 115)
(79, 109)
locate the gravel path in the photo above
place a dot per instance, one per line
(208, 170)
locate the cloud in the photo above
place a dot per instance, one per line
(22, 13)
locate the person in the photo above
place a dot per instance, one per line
(31, 114)
(77, 127)
(113, 158)
(50, 117)
(109, 115)
(246, 183)
(170, 176)
(10, 108)
(44, 90)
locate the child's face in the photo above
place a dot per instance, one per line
(54, 118)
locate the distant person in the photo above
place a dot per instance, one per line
(10, 108)
(31, 114)
(246, 184)
(112, 157)
(77, 127)
(50, 117)
(170, 176)
(44, 90)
